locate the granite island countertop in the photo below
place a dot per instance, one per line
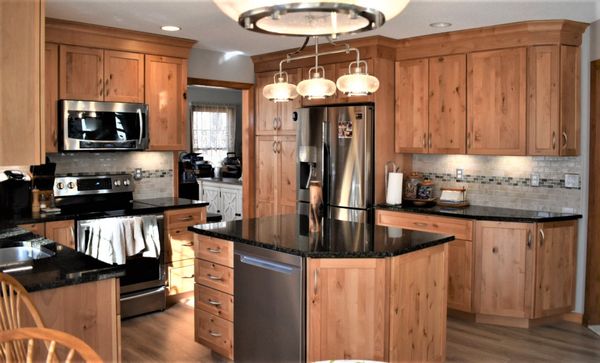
(477, 212)
(66, 267)
(337, 239)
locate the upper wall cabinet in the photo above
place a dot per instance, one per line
(21, 92)
(497, 102)
(51, 88)
(101, 75)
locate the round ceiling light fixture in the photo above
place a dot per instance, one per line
(316, 87)
(357, 82)
(170, 28)
(318, 18)
(280, 90)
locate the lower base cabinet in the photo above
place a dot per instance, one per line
(62, 232)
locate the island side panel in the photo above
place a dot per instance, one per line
(418, 298)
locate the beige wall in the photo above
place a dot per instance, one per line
(219, 66)
(595, 40)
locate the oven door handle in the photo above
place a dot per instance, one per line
(151, 292)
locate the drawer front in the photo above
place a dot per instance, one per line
(214, 250)
(213, 275)
(184, 217)
(213, 301)
(214, 332)
(181, 245)
(459, 228)
(181, 279)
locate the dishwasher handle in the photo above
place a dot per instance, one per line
(266, 264)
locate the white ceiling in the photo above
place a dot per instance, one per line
(203, 21)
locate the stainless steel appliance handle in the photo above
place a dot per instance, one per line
(140, 118)
(310, 173)
(104, 141)
(266, 264)
(143, 294)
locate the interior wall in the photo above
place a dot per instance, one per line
(231, 66)
(594, 31)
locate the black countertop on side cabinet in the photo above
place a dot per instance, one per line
(485, 213)
(338, 239)
(66, 267)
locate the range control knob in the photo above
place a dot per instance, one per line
(126, 182)
(117, 183)
(60, 185)
(71, 185)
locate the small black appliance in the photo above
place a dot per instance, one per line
(15, 193)
(232, 166)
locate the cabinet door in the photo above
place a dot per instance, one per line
(212, 194)
(286, 150)
(346, 300)
(166, 82)
(51, 88)
(496, 102)
(543, 102)
(81, 73)
(21, 39)
(123, 76)
(504, 269)
(412, 110)
(556, 265)
(287, 125)
(570, 74)
(447, 104)
(267, 112)
(266, 164)
(62, 232)
(342, 69)
(229, 203)
(460, 275)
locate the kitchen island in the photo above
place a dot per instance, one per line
(370, 292)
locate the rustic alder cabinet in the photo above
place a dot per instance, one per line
(62, 232)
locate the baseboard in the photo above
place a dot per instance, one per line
(573, 317)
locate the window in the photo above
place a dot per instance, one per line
(213, 131)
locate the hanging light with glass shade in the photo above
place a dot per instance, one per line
(316, 86)
(280, 90)
(357, 82)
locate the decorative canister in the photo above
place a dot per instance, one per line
(425, 189)
(412, 185)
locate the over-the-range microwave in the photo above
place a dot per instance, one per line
(94, 126)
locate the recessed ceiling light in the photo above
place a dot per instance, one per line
(440, 24)
(170, 28)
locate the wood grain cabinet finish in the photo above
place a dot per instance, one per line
(81, 73)
(496, 107)
(165, 93)
(62, 232)
(412, 109)
(123, 76)
(51, 97)
(570, 98)
(275, 118)
(21, 84)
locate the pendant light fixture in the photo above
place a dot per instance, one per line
(357, 82)
(316, 86)
(302, 18)
(280, 90)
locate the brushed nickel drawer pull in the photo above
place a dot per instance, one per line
(214, 302)
(420, 224)
(316, 281)
(186, 219)
(214, 334)
(566, 138)
(214, 250)
(424, 141)
(214, 278)
(188, 277)
(190, 244)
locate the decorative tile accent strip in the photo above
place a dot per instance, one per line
(496, 180)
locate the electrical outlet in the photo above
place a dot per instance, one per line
(571, 180)
(137, 174)
(460, 173)
(535, 180)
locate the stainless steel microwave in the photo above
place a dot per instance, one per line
(93, 126)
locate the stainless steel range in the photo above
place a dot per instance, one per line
(93, 198)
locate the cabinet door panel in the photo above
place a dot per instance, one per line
(229, 203)
(460, 275)
(62, 232)
(213, 197)
(556, 265)
(496, 102)
(287, 169)
(543, 102)
(570, 74)
(166, 82)
(343, 321)
(447, 104)
(266, 164)
(287, 125)
(266, 111)
(81, 73)
(412, 111)
(123, 76)
(51, 88)
(503, 269)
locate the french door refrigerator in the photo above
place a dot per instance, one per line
(335, 146)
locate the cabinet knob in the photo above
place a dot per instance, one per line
(542, 237)
(565, 138)
(553, 140)
(494, 249)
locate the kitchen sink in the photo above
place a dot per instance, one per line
(22, 253)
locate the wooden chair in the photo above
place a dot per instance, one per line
(13, 296)
(55, 343)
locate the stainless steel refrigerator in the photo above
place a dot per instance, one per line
(335, 146)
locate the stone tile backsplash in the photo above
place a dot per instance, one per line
(505, 181)
(157, 168)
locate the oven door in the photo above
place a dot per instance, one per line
(87, 125)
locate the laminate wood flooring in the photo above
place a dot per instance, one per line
(169, 337)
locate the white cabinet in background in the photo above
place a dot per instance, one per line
(223, 198)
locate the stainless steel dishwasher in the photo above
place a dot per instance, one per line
(269, 309)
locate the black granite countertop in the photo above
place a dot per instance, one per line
(222, 180)
(338, 239)
(485, 213)
(65, 267)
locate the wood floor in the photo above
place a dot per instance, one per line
(169, 337)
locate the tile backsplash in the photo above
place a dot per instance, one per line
(505, 181)
(157, 168)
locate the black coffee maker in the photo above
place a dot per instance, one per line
(15, 193)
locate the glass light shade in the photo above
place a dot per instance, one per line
(280, 91)
(357, 84)
(323, 17)
(316, 88)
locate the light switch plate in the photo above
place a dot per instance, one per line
(535, 180)
(460, 173)
(571, 180)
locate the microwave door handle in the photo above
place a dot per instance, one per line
(140, 118)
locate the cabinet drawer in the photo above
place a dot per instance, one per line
(214, 332)
(181, 244)
(215, 302)
(184, 217)
(214, 250)
(214, 275)
(459, 228)
(181, 279)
